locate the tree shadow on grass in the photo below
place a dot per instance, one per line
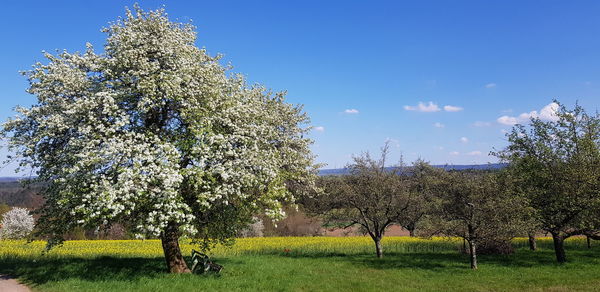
(48, 269)
(425, 261)
(43, 270)
(458, 261)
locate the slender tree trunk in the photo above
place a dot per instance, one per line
(589, 241)
(472, 244)
(170, 243)
(559, 247)
(532, 243)
(410, 227)
(378, 248)
(473, 254)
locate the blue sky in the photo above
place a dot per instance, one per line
(362, 68)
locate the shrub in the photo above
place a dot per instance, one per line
(16, 224)
(253, 230)
(495, 246)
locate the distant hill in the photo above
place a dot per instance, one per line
(14, 193)
(9, 179)
(343, 171)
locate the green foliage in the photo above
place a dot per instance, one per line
(422, 186)
(370, 196)
(480, 207)
(556, 165)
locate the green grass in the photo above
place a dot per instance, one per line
(398, 271)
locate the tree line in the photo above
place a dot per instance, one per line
(551, 184)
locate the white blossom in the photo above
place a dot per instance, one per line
(255, 229)
(154, 131)
(16, 224)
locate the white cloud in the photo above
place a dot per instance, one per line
(319, 129)
(431, 107)
(454, 153)
(451, 108)
(351, 111)
(490, 85)
(439, 148)
(547, 113)
(474, 153)
(482, 124)
(422, 107)
(506, 120)
(439, 125)
(464, 140)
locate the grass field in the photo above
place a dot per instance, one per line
(302, 264)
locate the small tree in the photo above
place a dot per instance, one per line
(556, 164)
(16, 224)
(423, 178)
(157, 134)
(255, 229)
(370, 196)
(479, 207)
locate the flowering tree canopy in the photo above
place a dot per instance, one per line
(156, 133)
(16, 224)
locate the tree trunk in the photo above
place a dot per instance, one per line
(473, 254)
(532, 243)
(472, 244)
(170, 243)
(411, 232)
(559, 247)
(589, 242)
(378, 248)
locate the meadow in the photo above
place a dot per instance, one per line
(303, 264)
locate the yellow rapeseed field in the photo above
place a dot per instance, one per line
(261, 245)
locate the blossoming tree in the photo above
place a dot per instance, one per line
(157, 134)
(16, 224)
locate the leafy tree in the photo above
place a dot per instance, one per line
(531, 224)
(423, 179)
(557, 163)
(478, 207)
(370, 196)
(157, 134)
(16, 224)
